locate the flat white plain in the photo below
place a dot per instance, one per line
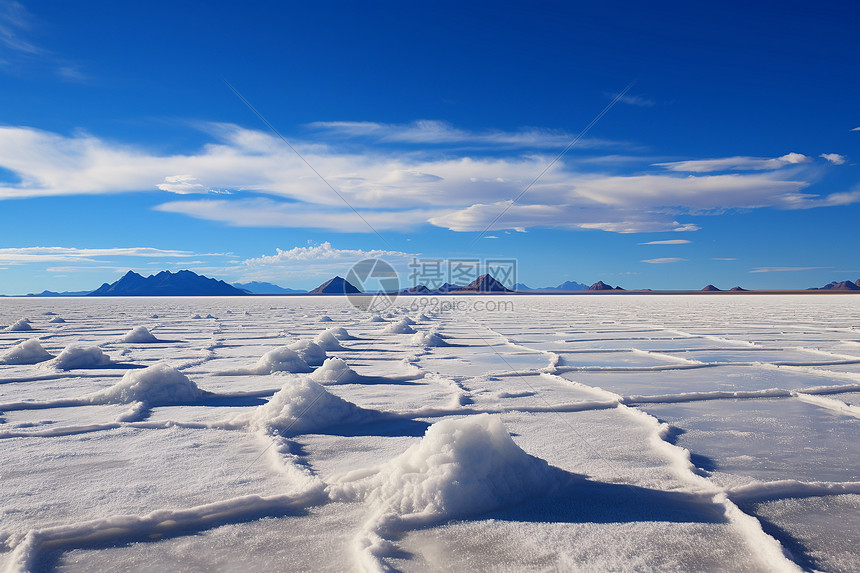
(620, 432)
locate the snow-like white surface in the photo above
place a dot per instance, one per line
(79, 357)
(139, 334)
(27, 352)
(594, 433)
(335, 371)
(156, 385)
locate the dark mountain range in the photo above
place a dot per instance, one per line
(337, 285)
(64, 293)
(257, 287)
(417, 289)
(844, 285)
(165, 283)
(485, 283)
(448, 287)
(600, 285)
(568, 285)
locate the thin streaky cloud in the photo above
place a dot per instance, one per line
(58, 254)
(668, 242)
(637, 100)
(739, 163)
(15, 22)
(663, 260)
(724, 259)
(443, 133)
(784, 269)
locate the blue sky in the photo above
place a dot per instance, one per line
(731, 159)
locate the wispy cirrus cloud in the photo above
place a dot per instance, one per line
(68, 254)
(735, 163)
(630, 99)
(18, 50)
(435, 132)
(15, 23)
(664, 260)
(784, 269)
(668, 242)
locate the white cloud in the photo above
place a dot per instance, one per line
(268, 213)
(636, 100)
(15, 22)
(833, 158)
(323, 252)
(68, 254)
(783, 269)
(724, 259)
(664, 260)
(393, 191)
(440, 132)
(668, 242)
(736, 163)
(182, 185)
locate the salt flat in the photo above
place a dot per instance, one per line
(593, 433)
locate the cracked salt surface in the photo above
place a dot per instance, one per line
(601, 433)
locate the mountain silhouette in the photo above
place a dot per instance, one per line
(165, 283)
(336, 285)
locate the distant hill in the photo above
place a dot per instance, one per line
(738, 289)
(521, 287)
(711, 288)
(64, 293)
(600, 285)
(485, 283)
(165, 283)
(448, 287)
(568, 285)
(417, 289)
(844, 285)
(336, 285)
(257, 287)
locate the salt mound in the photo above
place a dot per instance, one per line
(427, 339)
(302, 406)
(325, 319)
(407, 320)
(22, 325)
(49, 313)
(328, 341)
(57, 320)
(310, 352)
(399, 327)
(281, 359)
(196, 317)
(340, 333)
(335, 371)
(461, 467)
(139, 334)
(75, 357)
(423, 317)
(157, 385)
(376, 318)
(27, 352)
(153, 316)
